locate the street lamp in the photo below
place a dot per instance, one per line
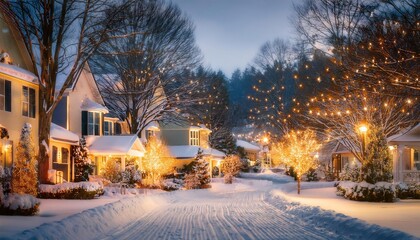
(363, 129)
(265, 149)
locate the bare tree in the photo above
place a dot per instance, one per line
(143, 75)
(60, 36)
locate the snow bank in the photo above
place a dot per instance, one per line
(95, 223)
(349, 227)
(88, 186)
(268, 175)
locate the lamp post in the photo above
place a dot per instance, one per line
(265, 148)
(363, 129)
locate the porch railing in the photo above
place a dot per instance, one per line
(411, 176)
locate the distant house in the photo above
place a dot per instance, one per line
(184, 141)
(82, 111)
(250, 149)
(19, 92)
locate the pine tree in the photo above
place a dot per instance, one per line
(24, 173)
(82, 163)
(378, 165)
(222, 139)
(199, 177)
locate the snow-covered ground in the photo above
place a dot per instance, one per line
(247, 209)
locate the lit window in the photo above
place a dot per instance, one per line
(93, 123)
(28, 102)
(194, 138)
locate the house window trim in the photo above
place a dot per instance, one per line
(3, 94)
(194, 138)
(110, 126)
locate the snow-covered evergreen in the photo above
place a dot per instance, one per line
(24, 173)
(199, 177)
(82, 163)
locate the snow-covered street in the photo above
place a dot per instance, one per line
(247, 209)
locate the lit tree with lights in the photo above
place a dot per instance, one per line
(297, 149)
(82, 163)
(156, 162)
(230, 167)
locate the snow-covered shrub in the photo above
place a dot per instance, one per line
(112, 171)
(404, 191)
(245, 165)
(363, 191)
(82, 164)
(351, 173)
(77, 190)
(192, 181)
(230, 167)
(5, 181)
(131, 175)
(24, 173)
(311, 175)
(19, 204)
(172, 184)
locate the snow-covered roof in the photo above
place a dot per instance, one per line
(153, 126)
(115, 145)
(247, 146)
(61, 134)
(15, 71)
(91, 106)
(412, 135)
(204, 128)
(188, 151)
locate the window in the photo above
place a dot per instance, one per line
(149, 134)
(64, 155)
(5, 95)
(93, 123)
(108, 128)
(194, 138)
(54, 154)
(28, 102)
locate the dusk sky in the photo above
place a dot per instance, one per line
(230, 32)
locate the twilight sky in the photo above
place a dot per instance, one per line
(230, 32)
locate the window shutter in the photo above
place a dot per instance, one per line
(117, 128)
(8, 95)
(84, 123)
(32, 101)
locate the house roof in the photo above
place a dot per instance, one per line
(411, 135)
(61, 134)
(188, 151)
(89, 105)
(115, 145)
(18, 72)
(247, 146)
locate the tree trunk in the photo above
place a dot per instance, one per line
(298, 182)
(44, 143)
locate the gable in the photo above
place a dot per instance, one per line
(86, 86)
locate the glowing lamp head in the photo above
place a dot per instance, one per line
(363, 129)
(265, 139)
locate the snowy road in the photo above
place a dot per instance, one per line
(254, 214)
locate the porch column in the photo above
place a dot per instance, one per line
(395, 157)
(122, 163)
(211, 167)
(400, 162)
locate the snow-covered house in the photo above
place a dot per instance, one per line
(82, 111)
(405, 149)
(250, 149)
(184, 141)
(18, 91)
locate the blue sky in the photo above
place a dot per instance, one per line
(230, 32)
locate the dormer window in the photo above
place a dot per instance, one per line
(194, 137)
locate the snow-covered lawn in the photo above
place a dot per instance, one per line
(403, 215)
(247, 209)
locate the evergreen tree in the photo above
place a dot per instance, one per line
(199, 177)
(82, 163)
(378, 165)
(222, 139)
(24, 173)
